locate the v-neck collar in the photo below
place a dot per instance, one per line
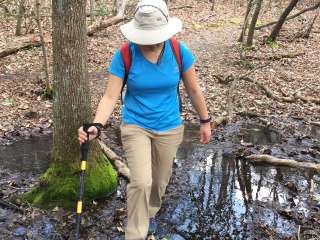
(160, 55)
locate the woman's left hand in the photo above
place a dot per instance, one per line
(205, 132)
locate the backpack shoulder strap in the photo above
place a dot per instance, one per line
(126, 57)
(175, 45)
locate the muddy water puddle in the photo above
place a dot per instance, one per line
(214, 192)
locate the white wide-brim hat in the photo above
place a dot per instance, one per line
(151, 23)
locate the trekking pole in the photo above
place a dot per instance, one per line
(83, 166)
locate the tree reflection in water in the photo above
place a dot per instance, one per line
(227, 197)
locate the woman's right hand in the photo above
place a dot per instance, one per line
(82, 135)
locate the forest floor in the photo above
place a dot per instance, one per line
(290, 66)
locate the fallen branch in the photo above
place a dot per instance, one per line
(181, 7)
(297, 96)
(117, 161)
(290, 99)
(263, 158)
(109, 22)
(102, 25)
(291, 17)
(19, 43)
(315, 124)
(275, 57)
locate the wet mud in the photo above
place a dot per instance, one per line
(214, 193)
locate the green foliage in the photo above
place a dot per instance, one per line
(101, 9)
(59, 185)
(47, 94)
(272, 44)
(7, 101)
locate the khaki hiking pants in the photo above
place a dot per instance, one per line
(150, 156)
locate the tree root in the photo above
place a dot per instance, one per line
(263, 158)
(117, 161)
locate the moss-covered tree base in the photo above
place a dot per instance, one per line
(59, 185)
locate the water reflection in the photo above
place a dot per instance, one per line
(228, 199)
(30, 155)
(256, 134)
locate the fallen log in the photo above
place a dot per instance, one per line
(117, 161)
(275, 57)
(263, 158)
(315, 124)
(291, 17)
(180, 7)
(102, 25)
(18, 43)
(109, 22)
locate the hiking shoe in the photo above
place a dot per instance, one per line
(152, 225)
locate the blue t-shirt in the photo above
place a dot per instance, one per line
(151, 100)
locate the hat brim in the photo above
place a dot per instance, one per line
(150, 37)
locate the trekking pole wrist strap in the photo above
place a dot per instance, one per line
(99, 127)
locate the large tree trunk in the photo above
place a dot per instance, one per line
(253, 23)
(276, 29)
(59, 184)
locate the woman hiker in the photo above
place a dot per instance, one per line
(151, 128)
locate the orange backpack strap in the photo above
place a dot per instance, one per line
(126, 57)
(175, 45)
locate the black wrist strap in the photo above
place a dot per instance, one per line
(205, 120)
(99, 127)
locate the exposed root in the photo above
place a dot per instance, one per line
(290, 99)
(117, 161)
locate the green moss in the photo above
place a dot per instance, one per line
(59, 185)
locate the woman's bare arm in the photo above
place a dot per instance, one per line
(105, 107)
(109, 99)
(190, 81)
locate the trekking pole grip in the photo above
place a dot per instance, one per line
(85, 145)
